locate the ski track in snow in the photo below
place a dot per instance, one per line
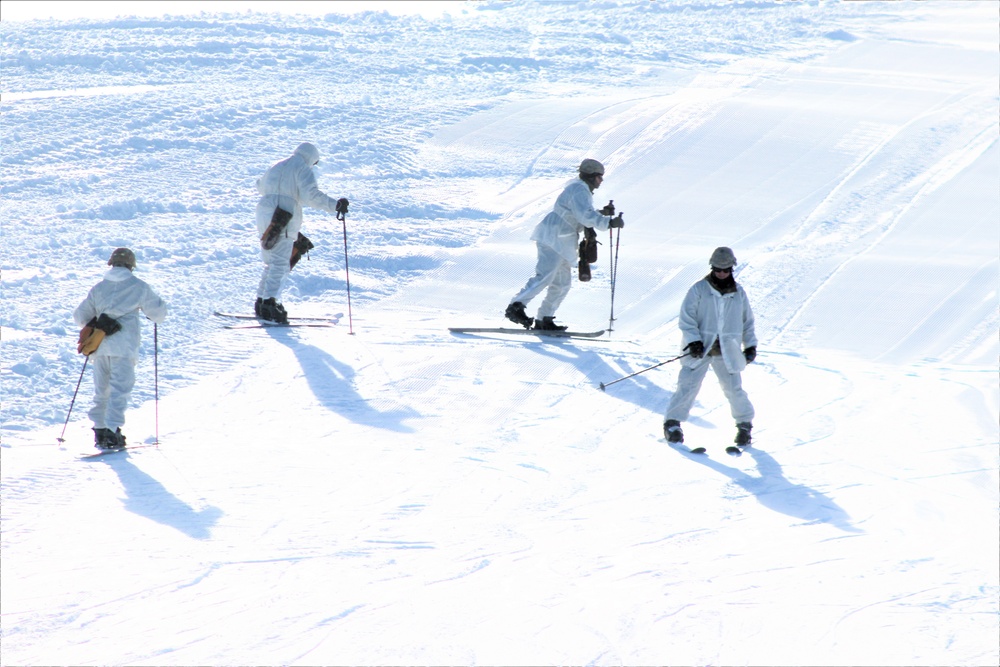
(384, 492)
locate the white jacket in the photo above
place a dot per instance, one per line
(706, 315)
(291, 184)
(573, 210)
(121, 296)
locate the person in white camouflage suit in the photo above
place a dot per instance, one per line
(289, 185)
(110, 317)
(557, 239)
(717, 329)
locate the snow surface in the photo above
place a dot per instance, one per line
(385, 492)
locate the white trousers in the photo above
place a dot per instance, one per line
(276, 269)
(114, 378)
(552, 272)
(689, 384)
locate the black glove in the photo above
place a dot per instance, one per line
(617, 221)
(696, 349)
(107, 324)
(342, 205)
(750, 354)
(609, 209)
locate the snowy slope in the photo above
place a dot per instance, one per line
(385, 492)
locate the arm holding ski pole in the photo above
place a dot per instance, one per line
(605, 385)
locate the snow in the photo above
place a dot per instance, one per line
(27, 10)
(385, 492)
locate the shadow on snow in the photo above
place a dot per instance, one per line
(775, 492)
(146, 497)
(638, 390)
(332, 382)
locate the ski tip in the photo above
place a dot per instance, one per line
(684, 449)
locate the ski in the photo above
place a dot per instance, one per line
(264, 324)
(684, 449)
(530, 332)
(105, 452)
(241, 316)
(734, 450)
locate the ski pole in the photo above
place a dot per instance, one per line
(342, 216)
(608, 384)
(60, 438)
(614, 274)
(156, 382)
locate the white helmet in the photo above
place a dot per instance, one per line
(591, 166)
(723, 258)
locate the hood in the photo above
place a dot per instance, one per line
(116, 274)
(308, 152)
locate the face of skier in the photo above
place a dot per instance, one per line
(721, 273)
(598, 179)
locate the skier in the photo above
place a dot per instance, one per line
(110, 317)
(285, 188)
(557, 239)
(715, 318)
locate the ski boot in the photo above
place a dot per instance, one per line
(272, 311)
(515, 313)
(672, 431)
(257, 306)
(105, 438)
(549, 324)
(743, 434)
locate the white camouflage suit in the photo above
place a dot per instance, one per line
(120, 296)
(557, 238)
(707, 315)
(291, 185)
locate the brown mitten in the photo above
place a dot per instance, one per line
(89, 344)
(84, 335)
